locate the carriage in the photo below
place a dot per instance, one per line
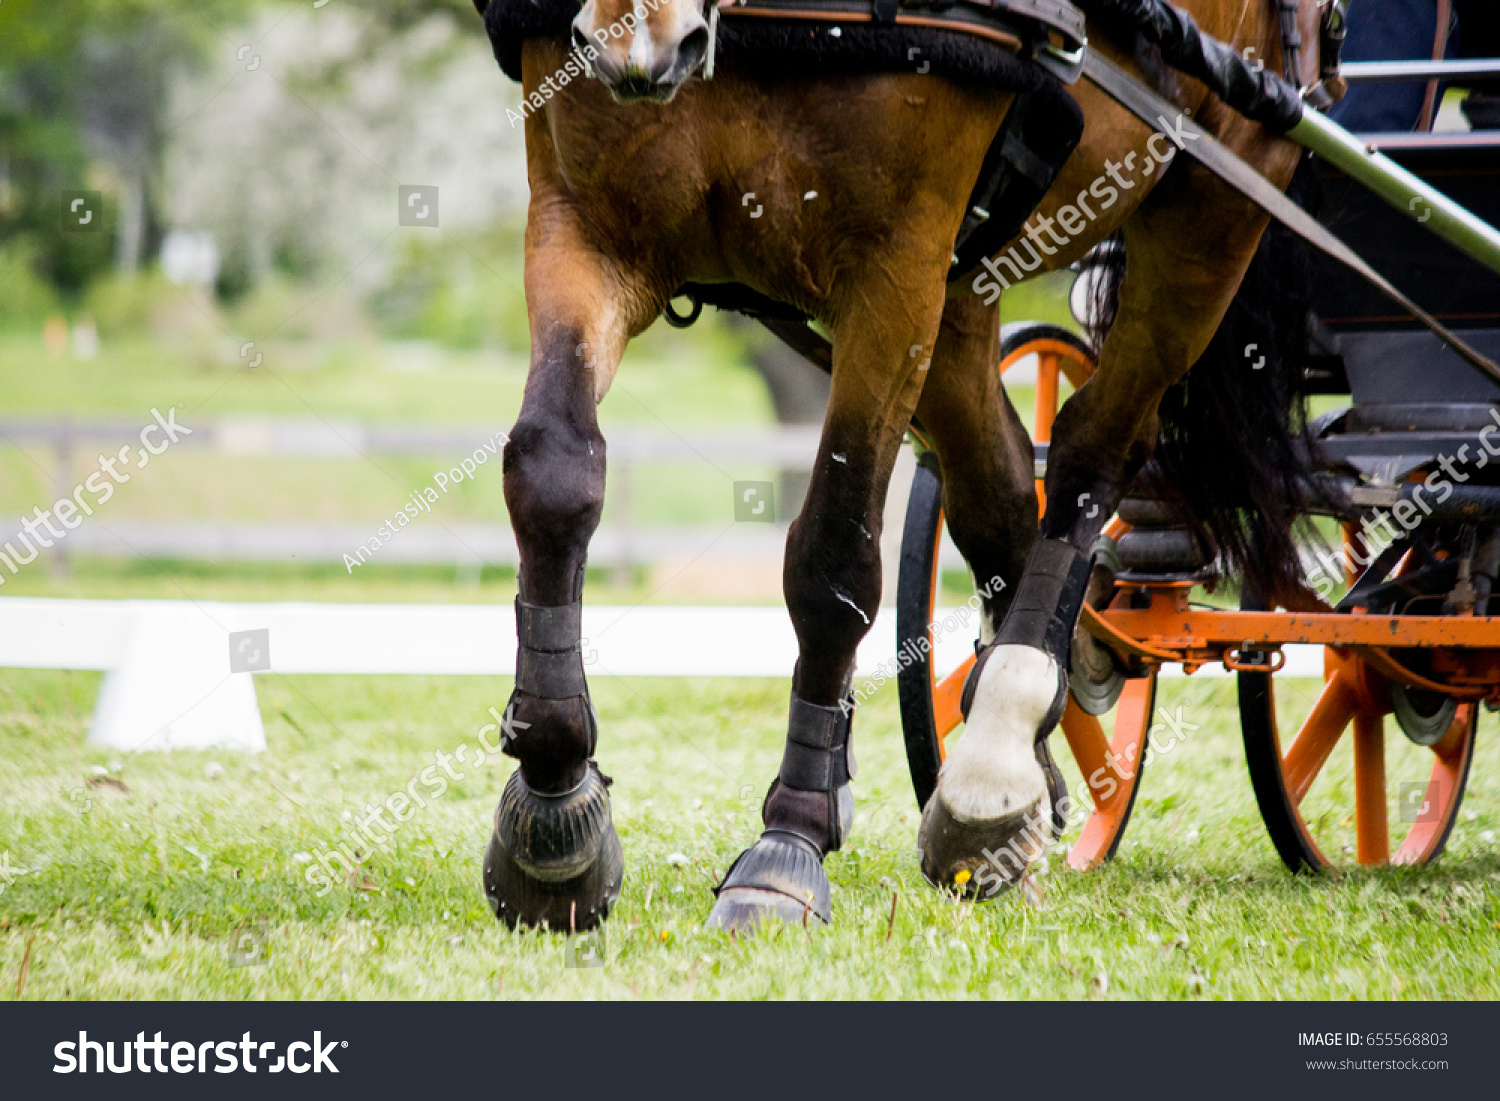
(1403, 631)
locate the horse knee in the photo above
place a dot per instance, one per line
(554, 485)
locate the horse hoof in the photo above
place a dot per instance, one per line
(981, 859)
(554, 860)
(977, 860)
(779, 878)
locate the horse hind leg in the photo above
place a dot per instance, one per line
(1183, 273)
(994, 791)
(554, 858)
(832, 583)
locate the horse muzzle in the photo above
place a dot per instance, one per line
(643, 69)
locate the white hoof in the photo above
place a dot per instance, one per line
(993, 771)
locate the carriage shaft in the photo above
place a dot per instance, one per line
(1404, 191)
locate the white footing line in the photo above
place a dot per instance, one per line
(170, 683)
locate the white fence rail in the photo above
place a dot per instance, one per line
(622, 542)
(171, 665)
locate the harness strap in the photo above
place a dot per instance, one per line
(819, 753)
(1050, 32)
(1291, 41)
(1039, 134)
(1204, 148)
(1333, 29)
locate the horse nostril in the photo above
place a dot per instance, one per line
(580, 41)
(691, 52)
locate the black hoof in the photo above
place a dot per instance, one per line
(554, 860)
(980, 860)
(779, 878)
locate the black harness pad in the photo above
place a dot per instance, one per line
(777, 47)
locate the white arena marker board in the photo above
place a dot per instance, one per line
(169, 682)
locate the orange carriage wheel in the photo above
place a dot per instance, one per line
(1109, 761)
(1342, 786)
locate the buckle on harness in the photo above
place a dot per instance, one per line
(1061, 62)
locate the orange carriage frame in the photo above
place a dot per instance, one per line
(1149, 623)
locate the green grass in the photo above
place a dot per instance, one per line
(144, 893)
(682, 383)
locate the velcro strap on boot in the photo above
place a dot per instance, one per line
(1046, 605)
(819, 753)
(549, 662)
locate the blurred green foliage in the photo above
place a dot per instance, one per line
(463, 294)
(83, 93)
(84, 90)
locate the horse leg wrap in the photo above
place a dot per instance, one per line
(811, 797)
(549, 667)
(1045, 609)
(1042, 616)
(554, 859)
(808, 812)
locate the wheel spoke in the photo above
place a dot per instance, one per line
(1089, 745)
(1372, 823)
(947, 699)
(1319, 734)
(1443, 790)
(1111, 768)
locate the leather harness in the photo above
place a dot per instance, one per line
(1022, 163)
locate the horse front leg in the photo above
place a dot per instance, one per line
(1000, 800)
(554, 858)
(832, 583)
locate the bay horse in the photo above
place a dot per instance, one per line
(637, 178)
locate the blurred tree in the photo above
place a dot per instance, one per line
(83, 99)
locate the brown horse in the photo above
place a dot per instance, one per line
(637, 181)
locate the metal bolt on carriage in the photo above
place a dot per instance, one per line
(1370, 768)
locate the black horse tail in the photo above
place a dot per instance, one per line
(1231, 459)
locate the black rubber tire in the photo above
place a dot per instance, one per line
(919, 541)
(1263, 758)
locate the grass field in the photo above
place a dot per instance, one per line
(143, 882)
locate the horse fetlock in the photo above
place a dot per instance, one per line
(552, 739)
(554, 860)
(808, 813)
(822, 818)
